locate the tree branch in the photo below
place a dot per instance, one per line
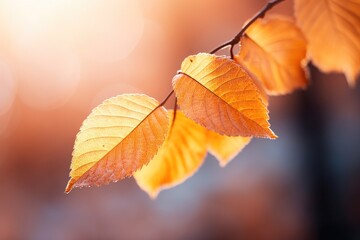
(269, 5)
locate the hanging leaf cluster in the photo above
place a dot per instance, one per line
(222, 101)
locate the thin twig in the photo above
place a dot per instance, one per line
(228, 43)
(167, 98)
(269, 5)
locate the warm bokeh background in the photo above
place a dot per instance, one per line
(61, 58)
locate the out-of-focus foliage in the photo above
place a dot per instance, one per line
(181, 155)
(274, 50)
(332, 30)
(225, 148)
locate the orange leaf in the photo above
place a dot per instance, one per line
(333, 33)
(117, 138)
(180, 157)
(219, 95)
(274, 49)
(225, 148)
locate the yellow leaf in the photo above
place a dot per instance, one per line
(219, 95)
(180, 157)
(117, 138)
(274, 49)
(332, 29)
(225, 148)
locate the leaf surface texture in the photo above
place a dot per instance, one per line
(219, 95)
(117, 138)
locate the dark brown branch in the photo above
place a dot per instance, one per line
(269, 5)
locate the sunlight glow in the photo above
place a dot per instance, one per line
(103, 30)
(52, 39)
(55, 81)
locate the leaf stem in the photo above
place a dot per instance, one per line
(269, 5)
(175, 109)
(174, 117)
(167, 98)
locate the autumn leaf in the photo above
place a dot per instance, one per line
(225, 148)
(219, 95)
(333, 34)
(274, 50)
(179, 158)
(117, 138)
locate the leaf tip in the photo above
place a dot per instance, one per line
(69, 186)
(151, 191)
(223, 163)
(153, 194)
(273, 136)
(267, 134)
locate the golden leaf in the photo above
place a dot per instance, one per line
(219, 95)
(332, 28)
(225, 148)
(274, 50)
(179, 158)
(117, 138)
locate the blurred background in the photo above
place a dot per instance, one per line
(61, 58)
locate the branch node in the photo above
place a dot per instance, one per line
(269, 5)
